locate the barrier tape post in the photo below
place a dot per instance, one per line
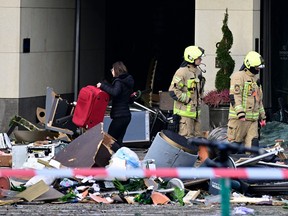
(225, 196)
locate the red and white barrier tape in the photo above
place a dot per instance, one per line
(182, 173)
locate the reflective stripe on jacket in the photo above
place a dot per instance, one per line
(185, 90)
(247, 97)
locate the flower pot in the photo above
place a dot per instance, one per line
(218, 116)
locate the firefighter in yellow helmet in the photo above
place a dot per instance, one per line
(186, 89)
(246, 107)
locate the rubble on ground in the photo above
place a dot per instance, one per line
(86, 189)
(41, 148)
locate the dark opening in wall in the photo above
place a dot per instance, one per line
(279, 53)
(138, 32)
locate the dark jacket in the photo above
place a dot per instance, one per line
(120, 92)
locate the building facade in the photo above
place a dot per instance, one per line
(67, 44)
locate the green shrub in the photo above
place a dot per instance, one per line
(223, 58)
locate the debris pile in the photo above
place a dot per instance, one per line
(38, 148)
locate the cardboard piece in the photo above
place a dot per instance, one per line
(102, 156)
(82, 150)
(159, 198)
(32, 136)
(10, 201)
(34, 191)
(190, 196)
(51, 163)
(51, 194)
(6, 160)
(104, 151)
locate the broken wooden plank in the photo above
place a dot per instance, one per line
(6, 160)
(82, 150)
(191, 196)
(23, 136)
(34, 191)
(251, 200)
(51, 194)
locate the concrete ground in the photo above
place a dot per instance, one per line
(91, 208)
(86, 209)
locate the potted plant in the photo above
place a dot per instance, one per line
(218, 99)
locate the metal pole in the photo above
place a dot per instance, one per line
(225, 196)
(257, 158)
(140, 105)
(77, 41)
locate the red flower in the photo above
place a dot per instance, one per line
(217, 98)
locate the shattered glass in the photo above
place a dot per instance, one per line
(272, 131)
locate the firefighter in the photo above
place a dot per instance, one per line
(186, 89)
(246, 106)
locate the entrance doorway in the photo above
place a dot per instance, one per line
(140, 32)
(275, 50)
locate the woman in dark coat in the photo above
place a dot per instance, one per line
(120, 92)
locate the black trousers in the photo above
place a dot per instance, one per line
(118, 127)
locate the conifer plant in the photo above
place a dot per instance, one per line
(225, 63)
(223, 57)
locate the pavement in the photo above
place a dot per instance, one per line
(86, 209)
(136, 209)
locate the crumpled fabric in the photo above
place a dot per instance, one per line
(131, 158)
(35, 179)
(66, 182)
(243, 210)
(123, 159)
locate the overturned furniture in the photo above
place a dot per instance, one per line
(169, 149)
(58, 113)
(87, 149)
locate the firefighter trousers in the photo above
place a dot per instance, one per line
(189, 127)
(242, 131)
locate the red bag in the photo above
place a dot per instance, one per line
(91, 106)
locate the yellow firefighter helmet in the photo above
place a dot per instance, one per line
(254, 59)
(191, 53)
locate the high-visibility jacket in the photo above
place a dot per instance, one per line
(187, 90)
(246, 96)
